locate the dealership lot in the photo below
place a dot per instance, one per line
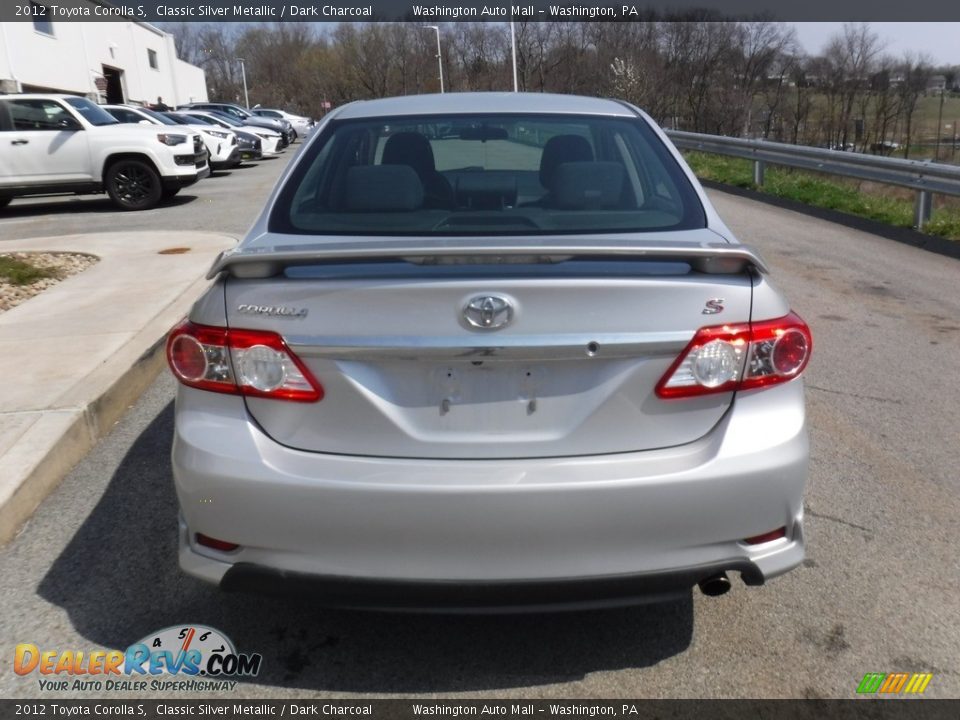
(96, 567)
(227, 200)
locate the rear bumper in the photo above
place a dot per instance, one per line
(551, 531)
(569, 593)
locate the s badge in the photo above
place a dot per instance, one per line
(713, 307)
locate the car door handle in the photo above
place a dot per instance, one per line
(19, 142)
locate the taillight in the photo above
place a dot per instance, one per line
(211, 542)
(767, 537)
(241, 362)
(723, 358)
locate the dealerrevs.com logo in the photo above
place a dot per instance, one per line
(894, 683)
(181, 657)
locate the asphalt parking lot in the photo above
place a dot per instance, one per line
(227, 200)
(96, 566)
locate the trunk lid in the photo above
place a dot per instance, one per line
(406, 374)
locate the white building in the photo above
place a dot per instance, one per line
(110, 61)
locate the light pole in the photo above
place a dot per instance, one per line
(513, 48)
(243, 73)
(436, 28)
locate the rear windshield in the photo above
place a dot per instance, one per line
(487, 174)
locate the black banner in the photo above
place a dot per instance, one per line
(475, 11)
(887, 709)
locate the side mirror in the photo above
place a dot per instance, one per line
(69, 124)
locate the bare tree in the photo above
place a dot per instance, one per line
(759, 46)
(916, 72)
(851, 55)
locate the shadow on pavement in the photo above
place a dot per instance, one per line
(118, 580)
(72, 204)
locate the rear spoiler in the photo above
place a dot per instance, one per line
(263, 262)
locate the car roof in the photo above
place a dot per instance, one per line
(41, 96)
(484, 102)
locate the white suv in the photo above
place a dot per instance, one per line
(64, 143)
(221, 143)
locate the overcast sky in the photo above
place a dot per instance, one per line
(940, 40)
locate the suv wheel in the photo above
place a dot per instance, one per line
(133, 185)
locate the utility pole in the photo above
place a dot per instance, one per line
(513, 47)
(436, 29)
(936, 155)
(243, 72)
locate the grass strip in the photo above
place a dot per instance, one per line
(819, 191)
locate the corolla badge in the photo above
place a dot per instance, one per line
(273, 310)
(488, 312)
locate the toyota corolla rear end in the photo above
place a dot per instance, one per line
(472, 359)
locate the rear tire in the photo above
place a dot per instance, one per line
(133, 185)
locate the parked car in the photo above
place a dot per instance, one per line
(245, 117)
(221, 143)
(248, 144)
(67, 144)
(271, 141)
(301, 125)
(478, 372)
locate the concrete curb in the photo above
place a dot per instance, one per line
(56, 438)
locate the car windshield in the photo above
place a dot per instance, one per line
(159, 117)
(226, 118)
(180, 120)
(192, 119)
(92, 113)
(487, 175)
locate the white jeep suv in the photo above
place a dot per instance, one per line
(63, 143)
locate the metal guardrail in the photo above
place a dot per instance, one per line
(924, 176)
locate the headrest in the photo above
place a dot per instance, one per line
(383, 188)
(583, 185)
(411, 149)
(562, 149)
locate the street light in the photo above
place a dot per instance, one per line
(243, 72)
(436, 28)
(513, 48)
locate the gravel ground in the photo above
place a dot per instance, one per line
(63, 265)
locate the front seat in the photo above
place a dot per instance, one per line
(413, 150)
(558, 150)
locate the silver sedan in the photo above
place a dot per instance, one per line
(489, 351)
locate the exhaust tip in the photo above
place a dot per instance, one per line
(715, 585)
